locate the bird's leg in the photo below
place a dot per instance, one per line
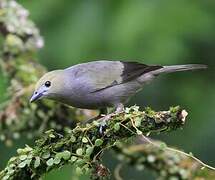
(102, 112)
(103, 116)
(119, 109)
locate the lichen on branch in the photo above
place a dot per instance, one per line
(84, 145)
(20, 42)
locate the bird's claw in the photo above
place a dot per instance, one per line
(103, 123)
(102, 128)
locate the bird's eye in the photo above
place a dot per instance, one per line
(47, 83)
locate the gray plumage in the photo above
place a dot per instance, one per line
(100, 84)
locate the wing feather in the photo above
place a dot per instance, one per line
(99, 75)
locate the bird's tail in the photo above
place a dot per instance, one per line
(177, 68)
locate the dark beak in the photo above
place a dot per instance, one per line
(35, 97)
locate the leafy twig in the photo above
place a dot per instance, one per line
(54, 150)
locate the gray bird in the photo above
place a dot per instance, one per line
(100, 84)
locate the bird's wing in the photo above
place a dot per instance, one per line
(100, 75)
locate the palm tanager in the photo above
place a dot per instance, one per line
(100, 84)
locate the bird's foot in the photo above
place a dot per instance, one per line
(119, 108)
(104, 119)
(103, 123)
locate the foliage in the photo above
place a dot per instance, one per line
(83, 146)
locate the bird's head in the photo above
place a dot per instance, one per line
(49, 86)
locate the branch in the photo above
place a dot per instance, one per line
(83, 146)
(165, 163)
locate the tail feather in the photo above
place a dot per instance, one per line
(177, 68)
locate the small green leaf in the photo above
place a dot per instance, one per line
(79, 170)
(59, 155)
(127, 110)
(12, 166)
(86, 168)
(79, 151)
(80, 162)
(12, 159)
(174, 109)
(98, 142)
(84, 140)
(117, 126)
(50, 162)
(137, 121)
(28, 161)
(10, 171)
(37, 162)
(73, 158)
(127, 116)
(51, 135)
(89, 151)
(6, 177)
(19, 151)
(46, 155)
(23, 157)
(66, 155)
(135, 108)
(73, 138)
(22, 164)
(49, 131)
(30, 156)
(28, 148)
(57, 160)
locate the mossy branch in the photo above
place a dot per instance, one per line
(164, 162)
(83, 146)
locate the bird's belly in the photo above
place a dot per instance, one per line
(86, 102)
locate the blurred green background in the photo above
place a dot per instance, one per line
(149, 31)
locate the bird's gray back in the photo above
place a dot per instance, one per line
(96, 75)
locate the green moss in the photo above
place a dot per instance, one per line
(98, 142)
(149, 112)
